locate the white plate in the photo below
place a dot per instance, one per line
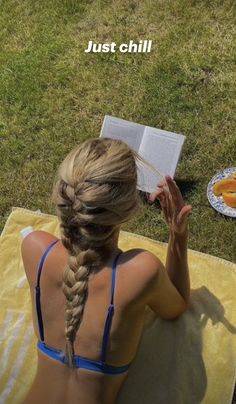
(217, 202)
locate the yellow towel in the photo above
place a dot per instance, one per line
(186, 361)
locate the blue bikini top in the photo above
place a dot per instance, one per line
(100, 366)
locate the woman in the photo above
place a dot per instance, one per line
(88, 296)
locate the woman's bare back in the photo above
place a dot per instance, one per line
(54, 381)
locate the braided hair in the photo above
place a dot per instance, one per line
(94, 192)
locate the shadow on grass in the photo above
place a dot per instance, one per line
(186, 186)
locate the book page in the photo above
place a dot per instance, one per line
(147, 179)
(131, 133)
(162, 149)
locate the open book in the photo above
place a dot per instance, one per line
(160, 148)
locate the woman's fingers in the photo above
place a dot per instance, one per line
(165, 199)
(160, 186)
(183, 214)
(155, 194)
(174, 190)
(168, 203)
(161, 183)
(172, 203)
(164, 207)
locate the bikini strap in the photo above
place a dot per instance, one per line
(110, 311)
(37, 289)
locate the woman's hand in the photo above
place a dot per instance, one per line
(172, 204)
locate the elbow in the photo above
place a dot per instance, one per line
(184, 307)
(181, 310)
(187, 300)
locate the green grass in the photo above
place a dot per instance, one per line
(53, 95)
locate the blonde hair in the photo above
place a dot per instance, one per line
(94, 192)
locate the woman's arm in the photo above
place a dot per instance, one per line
(176, 214)
(177, 263)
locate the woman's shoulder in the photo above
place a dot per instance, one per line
(33, 247)
(38, 238)
(143, 264)
(142, 258)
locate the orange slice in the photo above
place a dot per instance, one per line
(226, 185)
(229, 199)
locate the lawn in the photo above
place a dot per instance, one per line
(53, 95)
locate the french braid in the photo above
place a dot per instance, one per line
(82, 257)
(94, 192)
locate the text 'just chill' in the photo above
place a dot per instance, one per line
(131, 47)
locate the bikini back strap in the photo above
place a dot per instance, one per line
(37, 289)
(110, 312)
